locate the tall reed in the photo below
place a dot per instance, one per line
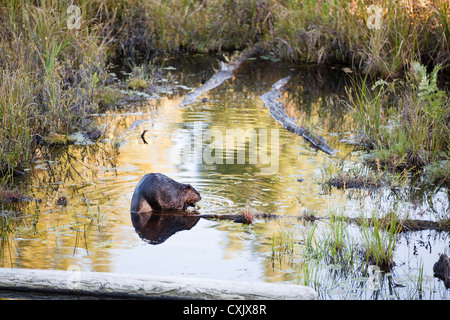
(379, 237)
(48, 78)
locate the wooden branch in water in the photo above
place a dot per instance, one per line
(143, 136)
(247, 216)
(278, 113)
(240, 218)
(225, 73)
(404, 225)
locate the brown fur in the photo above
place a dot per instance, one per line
(157, 191)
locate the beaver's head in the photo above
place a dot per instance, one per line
(191, 196)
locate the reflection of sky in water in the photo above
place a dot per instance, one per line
(192, 254)
(95, 231)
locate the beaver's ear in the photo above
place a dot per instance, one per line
(188, 187)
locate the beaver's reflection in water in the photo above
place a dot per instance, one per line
(155, 227)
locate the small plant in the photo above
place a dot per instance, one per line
(141, 77)
(309, 215)
(420, 278)
(56, 139)
(137, 83)
(379, 238)
(247, 214)
(439, 171)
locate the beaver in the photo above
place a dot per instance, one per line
(157, 191)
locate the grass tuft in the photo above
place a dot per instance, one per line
(406, 123)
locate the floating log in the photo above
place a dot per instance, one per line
(225, 73)
(362, 182)
(117, 285)
(417, 225)
(278, 113)
(244, 217)
(404, 225)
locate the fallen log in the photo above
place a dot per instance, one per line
(225, 73)
(404, 225)
(277, 111)
(240, 218)
(103, 284)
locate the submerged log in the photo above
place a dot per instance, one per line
(278, 113)
(241, 217)
(116, 285)
(417, 225)
(405, 225)
(347, 182)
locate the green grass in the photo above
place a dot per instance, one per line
(373, 244)
(406, 123)
(48, 79)
(337, 31)
(334, 246)
(316, 31)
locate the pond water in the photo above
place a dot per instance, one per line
(95, 231)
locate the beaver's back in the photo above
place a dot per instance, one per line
(157, 191)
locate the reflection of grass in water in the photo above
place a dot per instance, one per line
(282, 247)
(84, 223)
(8, 226)
(50, 217)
